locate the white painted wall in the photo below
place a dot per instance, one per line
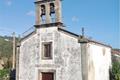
(66, 54)
(27, 58)
(99, 61)
(66, 60)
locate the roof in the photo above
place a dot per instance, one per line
(65, 31)
(28, 35)
(76, 35)
(116, 51)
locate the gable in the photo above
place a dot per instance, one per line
(71, 34)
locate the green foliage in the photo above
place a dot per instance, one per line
(5, 46)
(6, 50)
(116, 70)
(4, 74)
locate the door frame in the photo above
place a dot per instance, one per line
(40, 71)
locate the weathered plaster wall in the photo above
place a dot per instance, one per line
(27, 58)
(66, 62)
(68, 55)
(99, 62)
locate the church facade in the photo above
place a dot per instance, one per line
(53, 53)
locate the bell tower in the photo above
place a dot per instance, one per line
(48, 12)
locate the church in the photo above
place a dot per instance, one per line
(51, 52)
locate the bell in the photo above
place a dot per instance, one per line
(52, 9)
(42, 10)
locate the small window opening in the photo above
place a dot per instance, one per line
(43, 10)
(52, 8)
(47, 50)
(43, 13)
(52, 12)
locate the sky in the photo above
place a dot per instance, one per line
(100, 18)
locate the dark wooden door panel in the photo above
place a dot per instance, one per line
(47, 76)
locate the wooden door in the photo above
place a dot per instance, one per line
(48, 76)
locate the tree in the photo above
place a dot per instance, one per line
(116, 70)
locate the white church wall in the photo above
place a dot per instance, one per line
(46, 35)
(66, 61)
(66, 58)
(70, 54)
(99, 61)
(27, 58)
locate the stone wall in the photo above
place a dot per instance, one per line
(66, 61)
(66, 58)
(27, 58)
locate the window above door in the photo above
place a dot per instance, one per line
(47, 50)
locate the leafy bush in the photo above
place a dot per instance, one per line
(4, 74)
(116, 70)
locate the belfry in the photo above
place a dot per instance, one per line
(48, 11)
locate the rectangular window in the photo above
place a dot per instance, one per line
(47, 50)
